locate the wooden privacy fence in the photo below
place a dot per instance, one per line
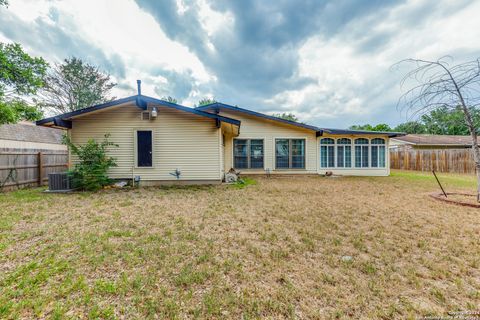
(440, 160)
(18, 168)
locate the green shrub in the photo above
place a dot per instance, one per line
(90, 173)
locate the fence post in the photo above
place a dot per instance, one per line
(40, 168)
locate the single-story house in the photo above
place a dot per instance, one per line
(162, 142)
(28, 136)
(430, 141)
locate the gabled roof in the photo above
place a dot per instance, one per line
(218, 105)
(436, 140)
(30, 133)
(141, 101)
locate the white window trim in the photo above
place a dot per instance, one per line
(384, 144)
(135, 148)
(275, 153)
(249, 138)
(353, 153)
(335, 155)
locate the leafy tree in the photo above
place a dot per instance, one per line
(286, 116)
(90, 173)
(170, 99)
(206, 101)
(20, 76)
(411, 127)
(367, 127)
(449, 121)
(75, 84)
(4, 3)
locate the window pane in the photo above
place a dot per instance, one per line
(378, 141)
(358, 156)
(340, 156)
(361, 141)
(298, 153)
(374, 152)
(327, 141)
(240, 153)
(323, 156)
(282, 153)
(344, 141)
(348, 156)
(364, 156)
(331, 156)
(256, 154)
(381, 156)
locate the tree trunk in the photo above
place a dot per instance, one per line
(475, 148)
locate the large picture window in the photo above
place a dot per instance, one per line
(344, 153)
(248, 153)
(290, 153)
(377, 150)
(361, 153)
(327, 153)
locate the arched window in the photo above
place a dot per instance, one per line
(361, 153)
(344, 153)
(377, 151)
(327, 153)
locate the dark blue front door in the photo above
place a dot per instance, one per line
(144, 148)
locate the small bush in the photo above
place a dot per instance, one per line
(243, 182)
(90, 173)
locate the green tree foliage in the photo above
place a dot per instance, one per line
(442, 120)
(451, 122)
(368, 127)
(75, 84)
(206, 101)
(286, 116)
(90, 173)
(411, 127)
(4, 3)
(170, 99)
(20, 76)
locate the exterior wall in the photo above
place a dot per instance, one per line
(256, 128)
(357, 171)
(181, 140)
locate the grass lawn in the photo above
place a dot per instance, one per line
(280, 248)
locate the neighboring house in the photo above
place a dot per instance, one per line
(27, 136)
(157, 138)
(430, 141)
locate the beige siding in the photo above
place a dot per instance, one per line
(257, 128)
(180, 140)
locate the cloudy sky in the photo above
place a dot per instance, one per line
(329, 62)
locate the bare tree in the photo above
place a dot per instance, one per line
(434, 84)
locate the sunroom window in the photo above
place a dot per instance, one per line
(361, 153)
(377, 150)
(327, 153)
(344, 153)
(248, 153)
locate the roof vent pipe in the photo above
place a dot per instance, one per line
(139, 87)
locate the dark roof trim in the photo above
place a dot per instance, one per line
(319, 131)
(217, 105)
(141, 102)
(360, 132)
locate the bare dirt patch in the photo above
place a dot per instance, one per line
(274, 249)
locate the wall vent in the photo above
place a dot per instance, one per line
(145, 115)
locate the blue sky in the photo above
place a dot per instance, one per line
(329, 62)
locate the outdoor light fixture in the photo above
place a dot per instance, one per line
(154, 112)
